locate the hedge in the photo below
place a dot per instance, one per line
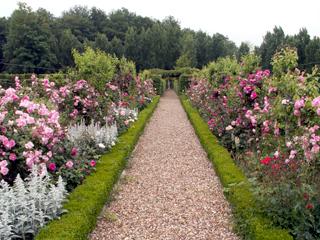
(87, 200)
(159, 83)
(249, 220)
(174, 73)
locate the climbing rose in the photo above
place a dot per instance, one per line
(92, 163)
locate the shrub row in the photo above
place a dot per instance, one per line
(87, 200)
(174, 73)
(250, 222)
(159, 84)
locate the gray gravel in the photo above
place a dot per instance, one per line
(169, 190)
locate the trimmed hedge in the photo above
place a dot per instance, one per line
(87, 200)
(250, 222)
(174, 73)
(159, 83)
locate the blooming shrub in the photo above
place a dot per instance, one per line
(29, 132)
(29, 205)
(62, 129)
(271, 125)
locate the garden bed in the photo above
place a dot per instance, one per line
(250, 222)
(86, 201)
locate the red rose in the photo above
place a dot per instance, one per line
(266, 160)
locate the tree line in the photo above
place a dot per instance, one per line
(37, 41)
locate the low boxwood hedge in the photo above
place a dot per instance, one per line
(87, 200)
(249, 220)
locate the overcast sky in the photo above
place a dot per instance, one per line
(240, 20)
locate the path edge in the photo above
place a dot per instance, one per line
(87, 200)
(250, 223)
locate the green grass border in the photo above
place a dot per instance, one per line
(249, 220)
(87, 200)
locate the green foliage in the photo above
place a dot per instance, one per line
(184, 61)
(30, 42)
(188, 57)
(250, 222)
(313, 53)
(216, 71)
(86, 201)
(3, 30)
(271, 43)
(95, 66)
(158, 82)
(250, 63)
(243, 50)
(284, 60)
(184, 81)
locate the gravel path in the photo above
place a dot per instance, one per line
(169, 190)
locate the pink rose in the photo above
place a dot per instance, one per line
(92, 163)
(12, 157)
(122, 113)
(296, 112)
(4, 171)
(316, 102)
(299, 104)
(69, 164)
(52, 167)
(74, 152)
(49, 154)
(29, 145)
(3, 167)
(9, 143)
(253, 95)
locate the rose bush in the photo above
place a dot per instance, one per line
(270, 122)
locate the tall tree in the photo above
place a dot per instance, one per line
(3, 29)
(116, 47)
(172, 32)
(132, 41)
(98, 19)
(302, 39)
(244, 49)
(29, 41)
(312, 53)
(188, 57)
(203, 41)
(78, 20)
(221, 46)
(272, 41)
(101, 42)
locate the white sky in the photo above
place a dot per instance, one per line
(240, 20)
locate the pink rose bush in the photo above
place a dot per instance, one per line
(35, 117)
(270, 123)
(29, 132)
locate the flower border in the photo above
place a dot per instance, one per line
(87, 200)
